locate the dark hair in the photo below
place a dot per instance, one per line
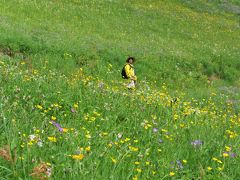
(130, 58)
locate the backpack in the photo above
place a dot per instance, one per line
(124, 74)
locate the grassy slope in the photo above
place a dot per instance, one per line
(165, 36)
(170, 39)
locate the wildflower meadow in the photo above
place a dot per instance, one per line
(65, 111)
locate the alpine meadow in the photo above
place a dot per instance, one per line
(65, 110)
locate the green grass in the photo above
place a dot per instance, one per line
(62, 59)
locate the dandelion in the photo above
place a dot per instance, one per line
(78, 157)
(228, 148)
(110, 145)
(138, 170)
(21, 158)
(134, 149)
(75, 106)
(39, 106)
(64, 129)
(30, 143)
(88, 136)
(214, 159)
(209, 168)
(88, 149)
(52, 139)
(53, 118)
(225, 154)
(127, 139)
(219, 161)
(135, 178)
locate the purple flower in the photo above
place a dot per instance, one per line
(180, 166)
(233, 155)
(57, 126)
(160, 141)
(155, 130)
(197, 143)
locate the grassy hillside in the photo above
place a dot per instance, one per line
(175, 41)
(65, 113)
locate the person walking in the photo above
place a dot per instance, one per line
(129, 73)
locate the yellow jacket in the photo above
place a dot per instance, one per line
(129, 69)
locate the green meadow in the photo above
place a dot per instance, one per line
(65, 111)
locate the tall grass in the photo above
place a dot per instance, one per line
(66, 113)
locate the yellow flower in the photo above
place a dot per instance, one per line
(75, 106)
(104, 133)
(52, 138)
(135, 178)
(219, 161)
(228, 148)
(88, 148)
(139, 170)
(137, 163)
(184, 161)
(114, 160)
(171, 174)
(37, 131)
(225, 154)
(30, 143)
(133, 148)
(110, 145)
(48, 164)
(122, 141)
(147, 163)
(127, 139)
(39, 106)
(88, 136)
(53, 118)
(21, 158)
(182, 125)
(209, 168)
(78, 157)
(220, 168)
(65, 129)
